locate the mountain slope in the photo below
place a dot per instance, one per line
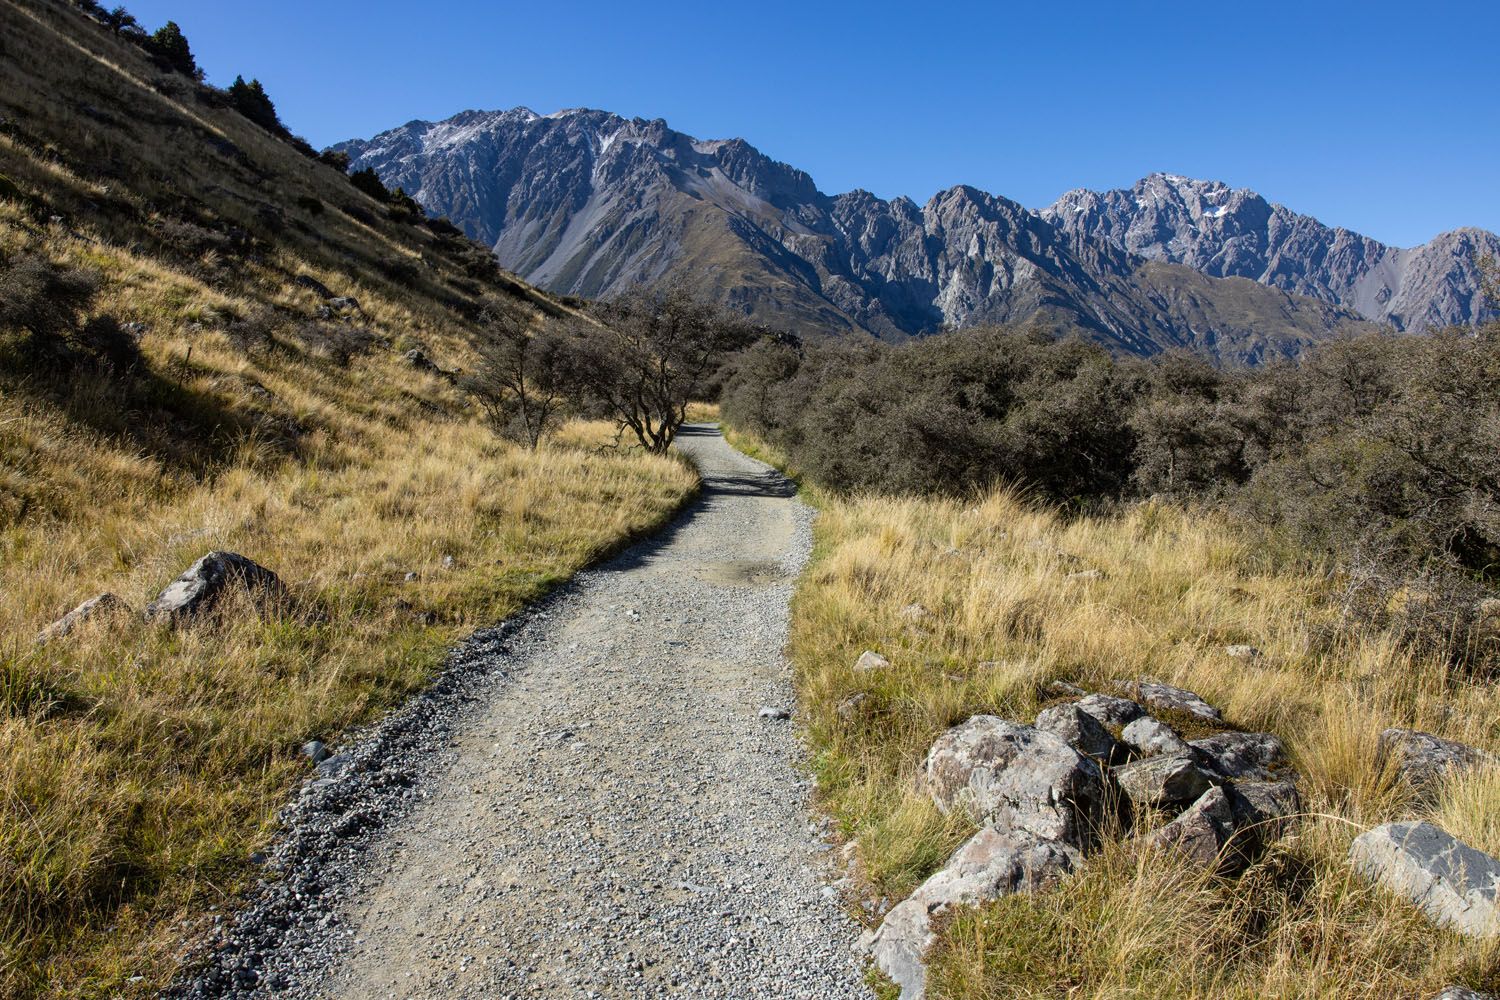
(1235, 232)
(587, 203)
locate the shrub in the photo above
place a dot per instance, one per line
(170, 46)
(369, 182)
(252, 101)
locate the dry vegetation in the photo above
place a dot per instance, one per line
(973, 604)
(140, 765)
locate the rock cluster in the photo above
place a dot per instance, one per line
(1045, 793)
(196, 591)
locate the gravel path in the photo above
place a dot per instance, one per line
(611, 816)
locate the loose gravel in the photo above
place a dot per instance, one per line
(589, 802)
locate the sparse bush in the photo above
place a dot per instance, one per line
(519, 382)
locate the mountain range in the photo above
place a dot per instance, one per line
(587, 203)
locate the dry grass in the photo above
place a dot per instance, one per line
(140, 765)
(975, 606)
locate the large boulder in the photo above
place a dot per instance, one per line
(1016, 777)
(1162, 782)
(990, 865)
(1453, 883)
(1252, 756)
(1201, 832)
(95, 608)
(1168, 698)
(1081, 731)
(1111, 711)
(208, 579)
(1148, 737)
(1425, 760)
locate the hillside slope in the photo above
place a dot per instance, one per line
(205, 342)
(585, 202)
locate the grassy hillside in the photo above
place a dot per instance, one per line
(199, 391)
(977, 607)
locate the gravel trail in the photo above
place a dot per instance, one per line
(612, 816)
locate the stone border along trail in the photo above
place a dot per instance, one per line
(585, 804)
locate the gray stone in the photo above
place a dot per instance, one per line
(315, 751)
(1263, 810)
(852, 707)
(98, 607)
(870, 660)
(334, 766)
(1201, 832)
(344, 303)
(1055, 689)
(1463, 993)
(314, 285)
(1149, 736)
(770, 712)
(206, 581)
(1425, 759)
(418, 359)
(1255, 756)
(1242, 652)
(1081, 731)
(1167, 697)
(1016, 777)
(1454, 884)
(1110, 710)
(1162, 782)
(990, 865)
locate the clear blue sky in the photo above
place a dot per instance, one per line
(1380, 116)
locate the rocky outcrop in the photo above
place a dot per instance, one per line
(1426, 760)
(1454, 884)
(95, 608)
(1162, 782)
(1165, 697)
(1016, 777)
(208, 579)
(1235, 755)
(1148, 736)
(1110, 710)
(990, 865)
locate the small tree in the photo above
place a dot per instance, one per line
(119, 20)
(653, 354)
(170, 45)
(519, 380)
(252, 101)
(336, 158)
(368, 181)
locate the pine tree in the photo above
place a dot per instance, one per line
(252, 101)
(170, 45)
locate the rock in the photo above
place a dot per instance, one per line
(1147, 736)
(315, 751)
(1167, 697)
(1081, 731)
(104, 605)
(1426, 760)
(1016, 777)
(1242, 652)
(313, 284)
(1054, 689)
(1110, 710)
(852, 707)
(1255, 756)
(870, 660)
(1162, 782)
(207, 579)
(990, 865)
(769, 712)
(135, 328)
(1463, 993)
(915, 613)
(334, 766)
(1201, 832)
(418, 359)
(344, 303)
(1263, 810)
(1086, 574)
(1454, 884)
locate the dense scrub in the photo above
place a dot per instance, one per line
(1379, 453)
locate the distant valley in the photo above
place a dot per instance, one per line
(588, 203)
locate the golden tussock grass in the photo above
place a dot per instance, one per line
(977, 606)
